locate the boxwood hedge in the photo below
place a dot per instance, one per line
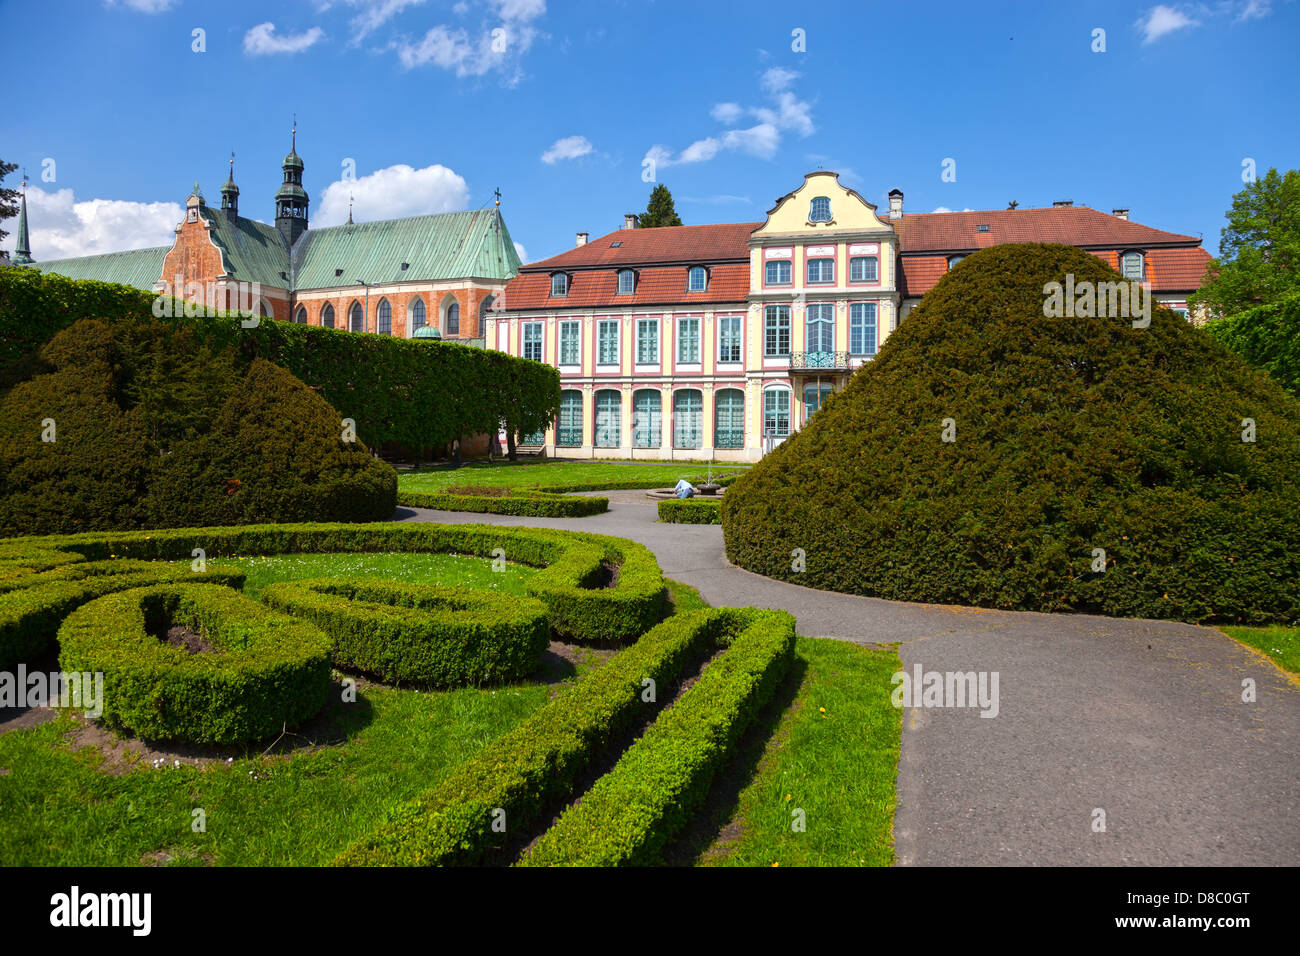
(691, 511)
(1076, 441)
(265, 670)
(421, 634)
(521, 502)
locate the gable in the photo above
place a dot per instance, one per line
(849, 211)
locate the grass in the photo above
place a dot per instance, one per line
(1280, 644)
(544, 474)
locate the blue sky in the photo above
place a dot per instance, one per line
(431, 105)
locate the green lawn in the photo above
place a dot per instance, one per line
(1281, 644)
(552, 473)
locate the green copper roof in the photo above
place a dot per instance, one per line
(426, 332)
(138, 267)
(449, 245)
(252, 250)
(23, 248)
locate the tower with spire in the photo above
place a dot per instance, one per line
(23, 249)
(291, 198)
(230, 192)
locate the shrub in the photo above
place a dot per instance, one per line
(1268, 337)
(1072, 434)
(505, 501)
(690, 511)
(265, 670)
(421, 634)
(621, 820)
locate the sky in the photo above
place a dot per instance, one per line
(574, 109)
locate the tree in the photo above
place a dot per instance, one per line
(1259, 261)
(660, 211)
(8, 197)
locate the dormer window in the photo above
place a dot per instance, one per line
(820, 210)
(1131, 265)
(697, 279)
(559, 283)
(953, 260)
(626, 282)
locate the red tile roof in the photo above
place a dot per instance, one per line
(1071, 225)
(658, 285)
(728, 240)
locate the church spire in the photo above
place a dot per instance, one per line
(23, 250)
(291, 199)
(229, 191)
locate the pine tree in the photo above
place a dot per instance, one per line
(660, 211)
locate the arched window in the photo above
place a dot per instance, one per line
(327, 316)
(1130, 264)
(568, 432)
(776, 412)
(647, 428)
(484, 308)
(264, 309)
(559, 284)
(451, 317)
(417, 314)
(609, 415)
(729, 418)
(820, 210)
(688, 414)
(953, 260)
(356, 320)
(301, 315)
(384, 314)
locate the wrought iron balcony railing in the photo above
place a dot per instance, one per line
(819, 361)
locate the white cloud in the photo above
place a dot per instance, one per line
(374, 14)
(777, 78)
(1254, 10)
(570, 147)
(262, 41)
(1161, 20)
(61, 227)
(145, 6)
(393, 192)
(498, 46)
(946, 209)
(727, 114)
(521, 252)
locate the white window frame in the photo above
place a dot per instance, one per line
(781, 390)
(1129, 256)
(691, 273)
(812, 209)
(601, 326)
(630, 276)
(818, 260)
(789, 268)
(770, 313)
(723, 322)
(647, 332)
(576, 343)
(855, 320)
(694, 338)
(531, 335)
(874, 277)
(563, 283)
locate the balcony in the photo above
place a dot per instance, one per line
(819, 361)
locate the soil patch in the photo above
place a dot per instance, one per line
(178, 635)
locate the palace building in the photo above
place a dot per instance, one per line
(438, 273)
(718, 341)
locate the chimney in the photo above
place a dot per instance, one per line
(895, 204)
(1063, 203)
(629, 220)
(582, 239)
(1120, 214)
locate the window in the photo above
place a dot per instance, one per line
(862, 328)
(486, 306)
(570, 337)
(264, 309)
(647, 341)
(729, 338)
(647, 429)
(820, 327)
(953, 260)
(327, 316)
(821, 271)
(778, 272)
(417, 314)
(384, 315)
(532, 334)
(536, 438)
(453, 319)
(814, 397)
(820, 209)
(1130, 264)
(559, 284)
(300, 316)
(688, 339)
(864, 269)
(609, 410)
(776, 412)
(607, 342)
(688, 414)
(356, 321)
(697, 279)
(626, 282)
(776, 330)
(569, 427)
(729, 418)
(1182, 312)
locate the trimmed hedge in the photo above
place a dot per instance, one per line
(691, 511)
(1268, 337)
(539, 762)
(266, 670)
(1072, 434)
(623, 820)
(522, 502)
(33, 605)
(595, 588)
(421, 634)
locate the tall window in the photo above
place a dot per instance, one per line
(647, 428)
(417, 314)
(778, 272)
(820, 210)
(729, 338)
(729, 418)
(697, 280)
(814, 397)
(300, 316)
(533, 340)
(568, 431)
(776, 330)
(356, 320)
(821, 327)
(453, 319)
(559, 284)
(821, 271)
(327, 316)
(609, 411)
(864, 269)
(688, 339)
(1131, 265)
(626, 281)
(384, 315)
(647, 341)
(607, 342)
(862, 328)
(570, 339)
(776, 412)
(688, 414)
